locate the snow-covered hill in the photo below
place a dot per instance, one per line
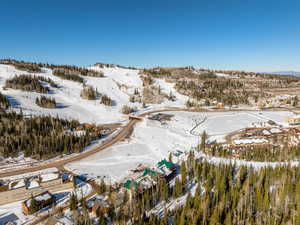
(117, 83)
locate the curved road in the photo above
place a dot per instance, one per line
(121, 135)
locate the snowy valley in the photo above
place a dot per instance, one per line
(176, 125)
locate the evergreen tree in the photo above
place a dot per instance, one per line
(102, 187)
(126, 197)
(73, 202)
(102, 220)
(183, 173)
(34, 206)
(177, 188)
(170, 157)
(204, 137)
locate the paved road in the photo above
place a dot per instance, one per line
(60, 163)
(121, 135)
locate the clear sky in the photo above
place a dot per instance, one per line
(253, 35)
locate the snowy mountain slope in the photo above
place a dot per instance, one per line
(117, 83)
(169, 88)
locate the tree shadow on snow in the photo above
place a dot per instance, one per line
(61, 106)
(13, 102)
(59, 197)
(5, 218)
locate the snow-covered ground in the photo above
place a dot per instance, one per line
(174, 203)
(152, 141)
(240, 162)
(19, 161)
(117, 83)
(72, 106)
(13, 213)
(168, 88)
(217, 125)
(43, 172)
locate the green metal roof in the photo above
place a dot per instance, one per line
(149, 171)
(168, 164)
(129, 183)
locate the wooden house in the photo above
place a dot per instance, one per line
(40, 201)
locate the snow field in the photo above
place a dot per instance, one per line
(151, 141)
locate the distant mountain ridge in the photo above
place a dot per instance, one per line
(295, 73)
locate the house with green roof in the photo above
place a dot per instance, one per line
(131, 184)
(146, 180)
(150, 172)
(165, 163)
(167, 168)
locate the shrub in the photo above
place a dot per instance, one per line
(135, 98)
(4, 103)
(29, 83)
(189, 104)
(21, 65)
(68, 75)
(207, 75)
(76, 70)
(36, 68)
(46, 102)
(89, 93)
(147, 80)
(92, 73)
(127, 109)
(157, 72)
(153, 95)
(106, 100)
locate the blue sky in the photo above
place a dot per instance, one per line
(255, 35)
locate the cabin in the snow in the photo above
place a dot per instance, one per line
(38, 202)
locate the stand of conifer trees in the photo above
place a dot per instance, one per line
(30, 83)
(68, 75)
(41, 137)
(223, 194)
(4, 103)
(227, 91)
(46, 102)
(265, 153)
(106, 100)
(21, 65)
(90, 93)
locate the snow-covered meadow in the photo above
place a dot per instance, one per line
(152, 141)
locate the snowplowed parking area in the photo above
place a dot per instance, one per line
(217, 125)
(152, 141)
